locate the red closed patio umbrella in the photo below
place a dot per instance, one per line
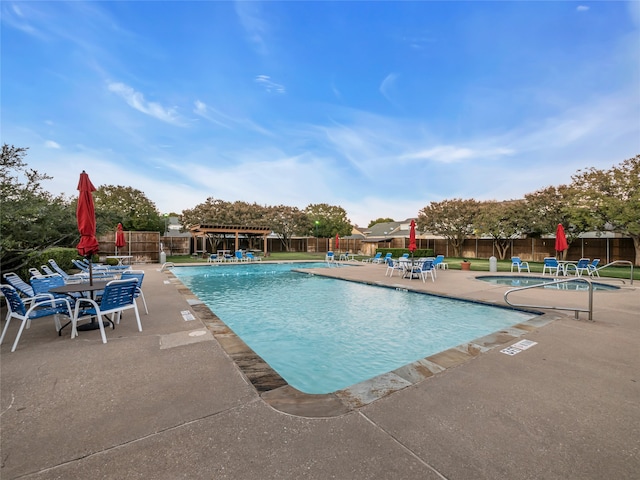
(337, 242)
(120, 241)
(86, 217)
(412, 237)
(561, 240)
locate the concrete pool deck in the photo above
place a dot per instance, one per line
(170, 402)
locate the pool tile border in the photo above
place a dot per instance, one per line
(277, 393)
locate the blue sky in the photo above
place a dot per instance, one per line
(379, 107)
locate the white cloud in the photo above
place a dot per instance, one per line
(136, 100)
(582, 8)
(387, 86)
(269, 85)
(51, 144)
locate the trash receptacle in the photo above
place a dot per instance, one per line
(493, 264)
(163, 258)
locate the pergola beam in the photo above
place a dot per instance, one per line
(208, 229)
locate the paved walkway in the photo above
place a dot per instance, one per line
(170, 402)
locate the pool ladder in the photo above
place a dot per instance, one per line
(589, 310)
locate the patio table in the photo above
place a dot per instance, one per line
(83, 288)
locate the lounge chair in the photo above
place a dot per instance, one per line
(67, 277)
(386, 258)
(43, 306)
(213, 258)
(439, 262)
(593, 267)
(252, 258)
(329, 257)
(516, 262)
(20, 285)
(551, 264)
(375, 259)
(34, 272)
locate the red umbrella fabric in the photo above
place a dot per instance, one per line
(86, 216)
(561, 239)
(412, 237)
(120, 241)
(337, 242)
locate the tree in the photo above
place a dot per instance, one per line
(287, 222)
(117, 204)
(379, 220)
(609, 200)
(502, 221)
(326, 221)
(31, 218)
(453, 219)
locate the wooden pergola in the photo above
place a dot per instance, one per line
(206, 231)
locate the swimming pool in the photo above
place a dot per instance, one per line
(321, 334)
(519, 281)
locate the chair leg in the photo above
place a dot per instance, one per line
(144, 302)
(6, 326)
(100, 324)
(135, 309)
(15, 343)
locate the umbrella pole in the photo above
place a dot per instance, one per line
(90, 270)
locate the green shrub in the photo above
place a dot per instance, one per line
(398, 252)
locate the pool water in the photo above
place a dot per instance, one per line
(322, 334)
(514, 281)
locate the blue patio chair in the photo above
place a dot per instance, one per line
(239, 256)
(551, 264)
(393, 266)
(329, 257)
(41, 306)
(118, 296)
(386, 258)
(213, 258)
(427, 268)
(516, 262)
(43, 283)
(582, 266)
(138, 275)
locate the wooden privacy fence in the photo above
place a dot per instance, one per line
(144, 247)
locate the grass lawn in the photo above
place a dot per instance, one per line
(477, 264)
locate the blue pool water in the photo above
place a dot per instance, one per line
(322, 334)
(519, 281)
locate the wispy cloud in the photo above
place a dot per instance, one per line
(269, 85)
(582, 8)
(136, 100)
(250, 16)
(387, 86)
(452, 153)
(52, 144)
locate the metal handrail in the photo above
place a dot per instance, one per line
(576, 310)
(625, 262)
